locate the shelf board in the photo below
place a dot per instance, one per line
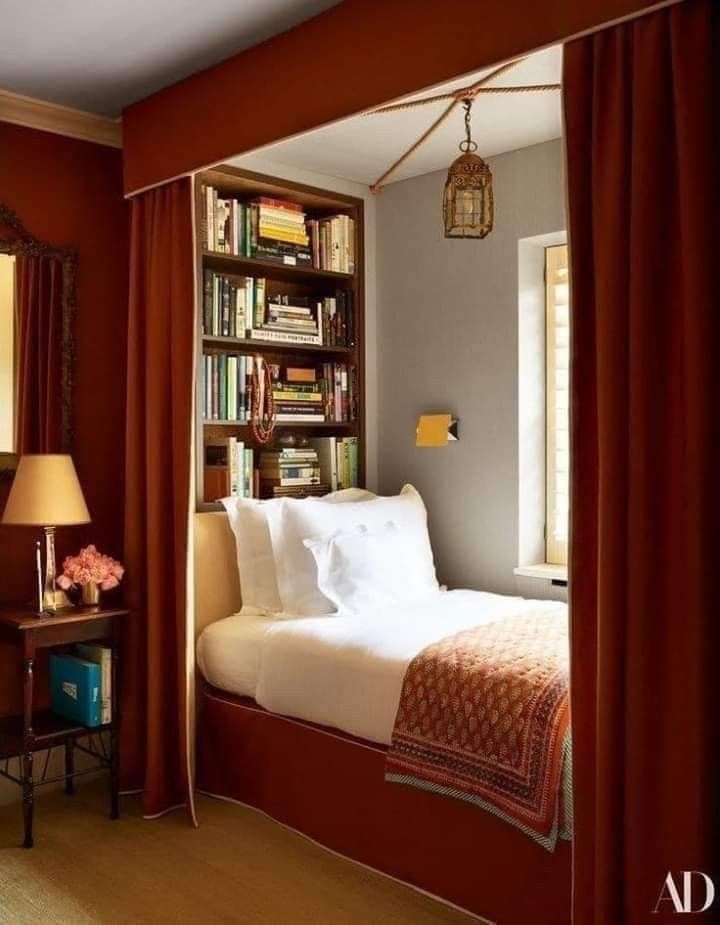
(304, 425)
(254, 266)
(48, 728)
(249, 184)
(273, 346)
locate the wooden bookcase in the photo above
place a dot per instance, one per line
(300, 280)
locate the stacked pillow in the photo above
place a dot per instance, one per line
(347, 552)
(365, 570)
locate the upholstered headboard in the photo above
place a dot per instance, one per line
(217, 585)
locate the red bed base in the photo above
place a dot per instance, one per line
(331, 787)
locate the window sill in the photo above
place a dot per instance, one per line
(543, 570)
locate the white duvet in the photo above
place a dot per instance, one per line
(344, 672)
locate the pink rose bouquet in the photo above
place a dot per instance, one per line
(89, 565)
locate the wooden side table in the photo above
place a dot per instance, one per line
(38, 730)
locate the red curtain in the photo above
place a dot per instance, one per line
(40, 321)
(642, 166)
(159, 414)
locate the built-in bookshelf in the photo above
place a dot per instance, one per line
(280, 276)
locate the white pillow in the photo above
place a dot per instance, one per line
(291, 522)
(256, 564)
(346, 494)
(363, 571)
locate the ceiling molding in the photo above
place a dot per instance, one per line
(62, 120)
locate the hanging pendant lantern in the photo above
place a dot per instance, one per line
(468, 199)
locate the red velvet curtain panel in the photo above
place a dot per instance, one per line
(159, 415)
(643, 213)
(40, 320)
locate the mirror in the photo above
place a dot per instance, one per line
(37, 305)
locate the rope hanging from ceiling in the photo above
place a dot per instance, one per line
(455, 97)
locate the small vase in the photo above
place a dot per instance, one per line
(91, 593)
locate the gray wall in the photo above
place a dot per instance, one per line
(448, 341)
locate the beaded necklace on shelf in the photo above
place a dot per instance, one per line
(262, 406)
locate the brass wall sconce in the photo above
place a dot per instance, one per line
(436, 430)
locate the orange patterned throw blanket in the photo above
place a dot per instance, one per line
(484, 716)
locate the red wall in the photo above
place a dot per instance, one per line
(69, 192)
(354, 56)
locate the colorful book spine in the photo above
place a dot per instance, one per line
(284, 337)
(76, 689)
(102, 656)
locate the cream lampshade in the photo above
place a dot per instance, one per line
(46, 493)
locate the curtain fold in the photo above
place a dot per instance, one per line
(643, 213)
(155, 741)
(39, 344)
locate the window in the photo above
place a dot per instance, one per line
(557, 333)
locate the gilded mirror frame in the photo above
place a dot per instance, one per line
(17, 241)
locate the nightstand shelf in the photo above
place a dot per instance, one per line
(49, 730)
(23, 736)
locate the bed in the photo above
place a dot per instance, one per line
(270, 737)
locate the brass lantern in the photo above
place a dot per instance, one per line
(468, 198)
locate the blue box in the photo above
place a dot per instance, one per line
(76, 689)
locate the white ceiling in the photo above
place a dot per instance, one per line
(102, 55)
(363, 147)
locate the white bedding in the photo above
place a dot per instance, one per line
(344, 672)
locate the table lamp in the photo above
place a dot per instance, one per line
(46, 493)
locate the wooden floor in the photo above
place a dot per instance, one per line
(237, 867)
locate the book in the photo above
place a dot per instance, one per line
(259, 302)
(222, 223)
(289, 395)
(235, 462)
(337, 319)
(290, 452)
(304, 491)
(277, 235)
(289, 471)
(332, 243)
(293, 418)
(353, 461)
(280, 216)
(282, 204)
(339, 391)
(326, 450)
(232, 387)
(300, 374)
(297, 388)
(283, 337)
(285, 481)
(102, 656)
(275, 232)
(338, 461)
(279, 252)
(299, 406)
(229, 470)
(289, 326)
(280, 308)
(225, 387)
(76, 689)
(225, 301)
